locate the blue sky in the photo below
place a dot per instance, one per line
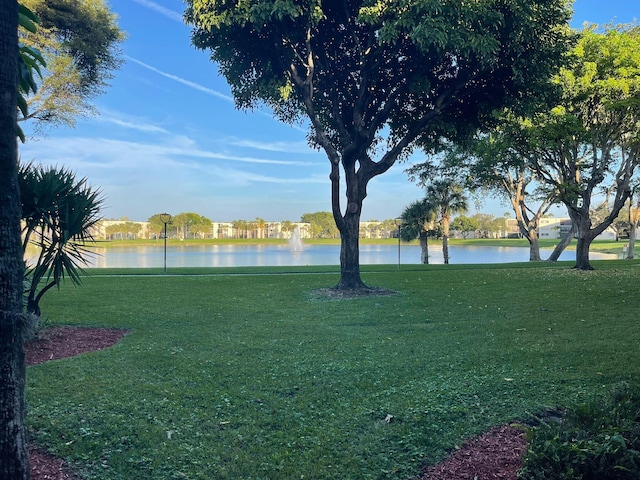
(168, 138)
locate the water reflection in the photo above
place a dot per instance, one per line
(281, 255)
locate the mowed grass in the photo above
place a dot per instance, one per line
(245, 376)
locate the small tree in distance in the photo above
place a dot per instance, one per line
(156, 225)
(418, 222)
(464, 225)
(321, 224)
(447, 199)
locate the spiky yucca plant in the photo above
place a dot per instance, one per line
(59, 213)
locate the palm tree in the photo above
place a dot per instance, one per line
(59, 214)
(286, 227)
(447, 199)
(240, 228)
(417, 222)
(260, 225)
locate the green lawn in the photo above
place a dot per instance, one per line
(245, 376)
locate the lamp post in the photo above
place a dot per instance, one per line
(398, 222)
(165, 218)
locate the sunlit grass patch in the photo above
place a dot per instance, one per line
(249, 376)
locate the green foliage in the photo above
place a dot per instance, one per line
(29, 62)
(322, 224)
(400, 51)
(488, 224)
(190, 222)
(58, 213)
(156, 225)
(589, 142)
(465, 225)
(123, 230)
(447, 199)
(417, 218)
(599, 440)
(79, 40)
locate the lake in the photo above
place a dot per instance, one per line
(282, 255)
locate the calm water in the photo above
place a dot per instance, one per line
(281, 255)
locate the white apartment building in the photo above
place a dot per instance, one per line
(218, 230)
(557, 227)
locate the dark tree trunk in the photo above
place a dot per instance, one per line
(582, 254)
(348, 225)
(582, 222)
(14, 462)
(350, 253)
(586, 232)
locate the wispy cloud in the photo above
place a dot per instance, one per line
(188, 83)
(139, 181)
(115, 151)
(161, 10)
(288, 147)
(130, 125)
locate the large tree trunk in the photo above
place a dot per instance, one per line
(586, 232)
(445, 248)
(586, 235)
(350, 253)
(14, 462)
(349, 227)
(582, 254)
(534, 245)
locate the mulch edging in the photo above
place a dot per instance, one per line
(495, 455)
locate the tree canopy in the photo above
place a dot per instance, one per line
(321, 224)
(418, 220)
(494, 163)
(589, 144)
(80, 41)
(376, 78)
(446, 199)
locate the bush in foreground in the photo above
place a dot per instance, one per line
(598, 440)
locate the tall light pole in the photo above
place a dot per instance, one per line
(165, 218)
(398, 222)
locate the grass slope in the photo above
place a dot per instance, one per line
(253, 376)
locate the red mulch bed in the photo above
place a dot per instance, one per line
(496, 455)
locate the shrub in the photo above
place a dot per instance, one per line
(598, 440)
